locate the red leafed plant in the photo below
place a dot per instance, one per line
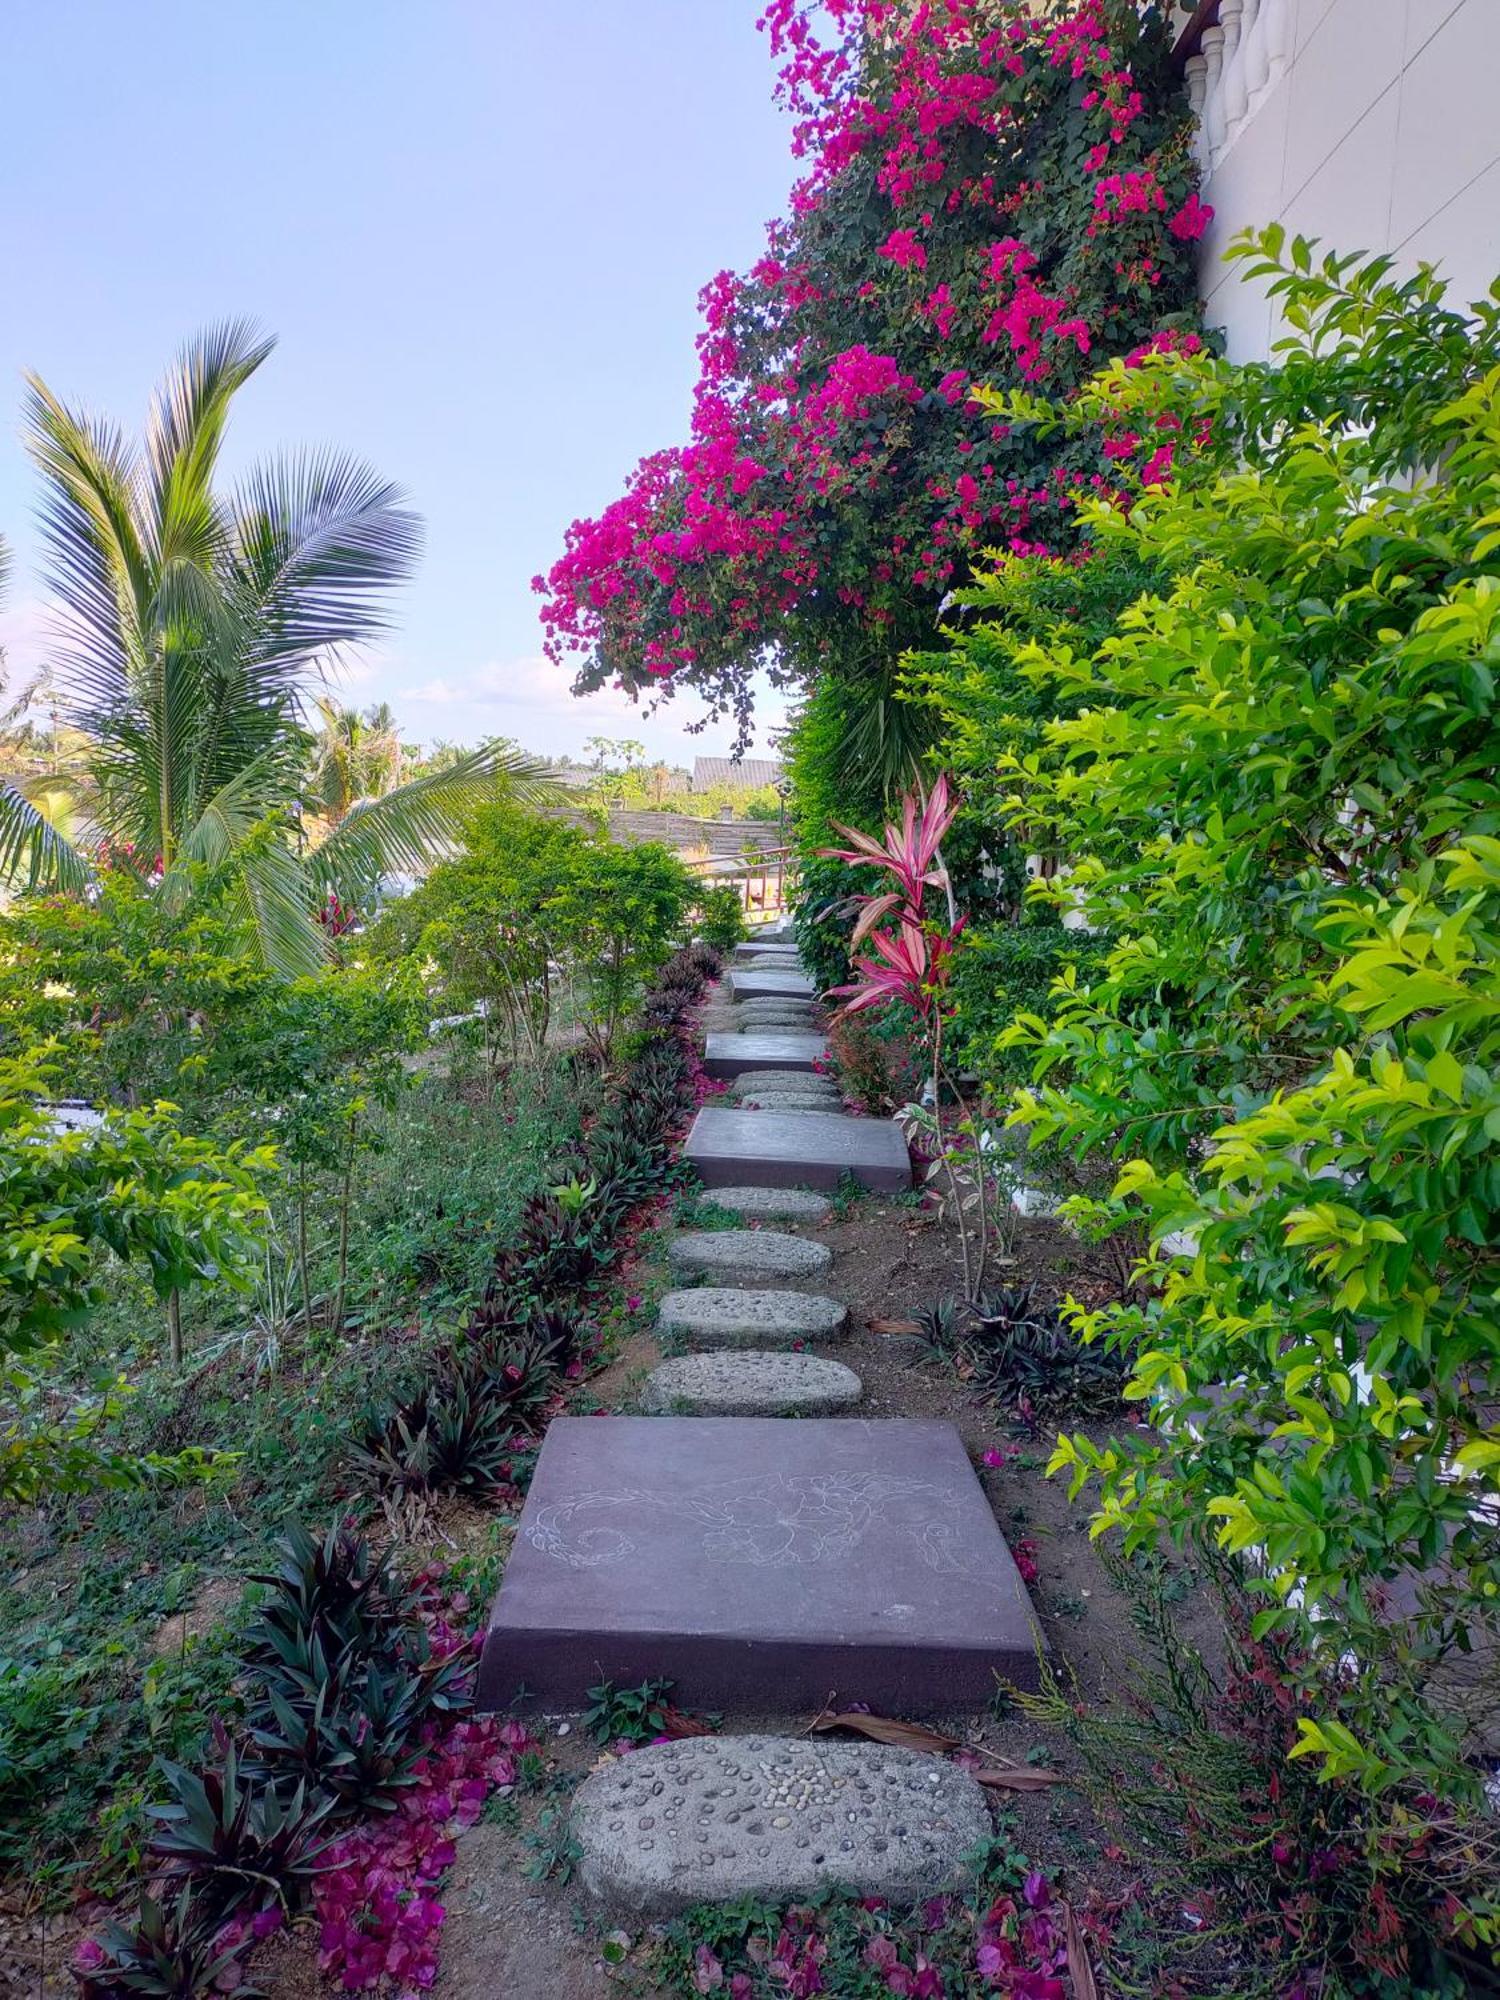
(911, 960)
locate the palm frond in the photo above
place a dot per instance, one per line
(318, 542)
(96, 561)
(422, 820)
(271, 897)
(35, 854)
(184, 433)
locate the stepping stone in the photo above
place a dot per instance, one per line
(755, 1382)
(717, 1316)
(775, 1003)
(773, 1204)
(733, 1054)
(733, 1148)
(814, 1087)
(768, 956)
(784, 945)
(751, 985)
(790, 1100)
(782, 1079)
(746, 1256)
(717, 1818)
(825, 1558)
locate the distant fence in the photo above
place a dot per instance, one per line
(765, 880)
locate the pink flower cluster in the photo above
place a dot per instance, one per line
(1021, 1949)
(378, 1917)
(824, 475)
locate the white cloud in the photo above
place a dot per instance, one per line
(531, 700)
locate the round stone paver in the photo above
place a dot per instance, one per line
(772, 1204)
(727, 1316)
(804, 1081)
(746, 1256)
(714, 1818)
(755, 1382)
(791, 1100)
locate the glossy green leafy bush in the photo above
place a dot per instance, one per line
(1274, 789)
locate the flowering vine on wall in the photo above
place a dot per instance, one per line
(990, 195)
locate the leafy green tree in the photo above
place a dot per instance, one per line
(619, 912)
(534, 908)
(194, 624)
(1275, 788)
(137, 1190)
(312, 1062)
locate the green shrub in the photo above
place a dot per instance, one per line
(721, 918)
(1275, 789)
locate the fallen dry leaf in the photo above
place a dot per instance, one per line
(674, 1723)
(894, 1326)
(1085, 1986)
(1018, 1778)
(882, 1729)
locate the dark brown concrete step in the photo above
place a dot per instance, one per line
(828, 1558)
(731, 1053)
(814, 1149)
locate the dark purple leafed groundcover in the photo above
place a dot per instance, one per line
(759, 1563)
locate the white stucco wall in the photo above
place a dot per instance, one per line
(1380, 132)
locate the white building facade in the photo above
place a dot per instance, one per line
(1370, 124)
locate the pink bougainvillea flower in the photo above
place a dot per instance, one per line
(708, 1973)
(1190, 221)
(903, 248)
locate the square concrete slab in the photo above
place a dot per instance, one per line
(759, 1562)
(770, 984)
(815, 1149)
(769, 1048)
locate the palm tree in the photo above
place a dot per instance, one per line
(194, 627)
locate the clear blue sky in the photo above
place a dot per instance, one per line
(478, 228)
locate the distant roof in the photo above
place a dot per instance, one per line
(748, 771)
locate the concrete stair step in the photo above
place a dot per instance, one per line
(736, 1148)
(717, 1316)
(718, 1818)
(750, 984)
(747, 1257)
(828, 1558)
(751, 1382)
(731, 1054)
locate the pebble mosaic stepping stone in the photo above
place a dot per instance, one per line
(754, 1382)
(715, 1818)
(844, 1558)
(767, 1048)
(747, 1256)
(773, 1204)
(789, 1100)
(773, 1019)
(751, 985)
(717, 1316)
(775, 951)
(732, 1147)
(783, 1079)
(814, 1086)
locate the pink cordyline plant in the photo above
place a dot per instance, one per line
(911, 960)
